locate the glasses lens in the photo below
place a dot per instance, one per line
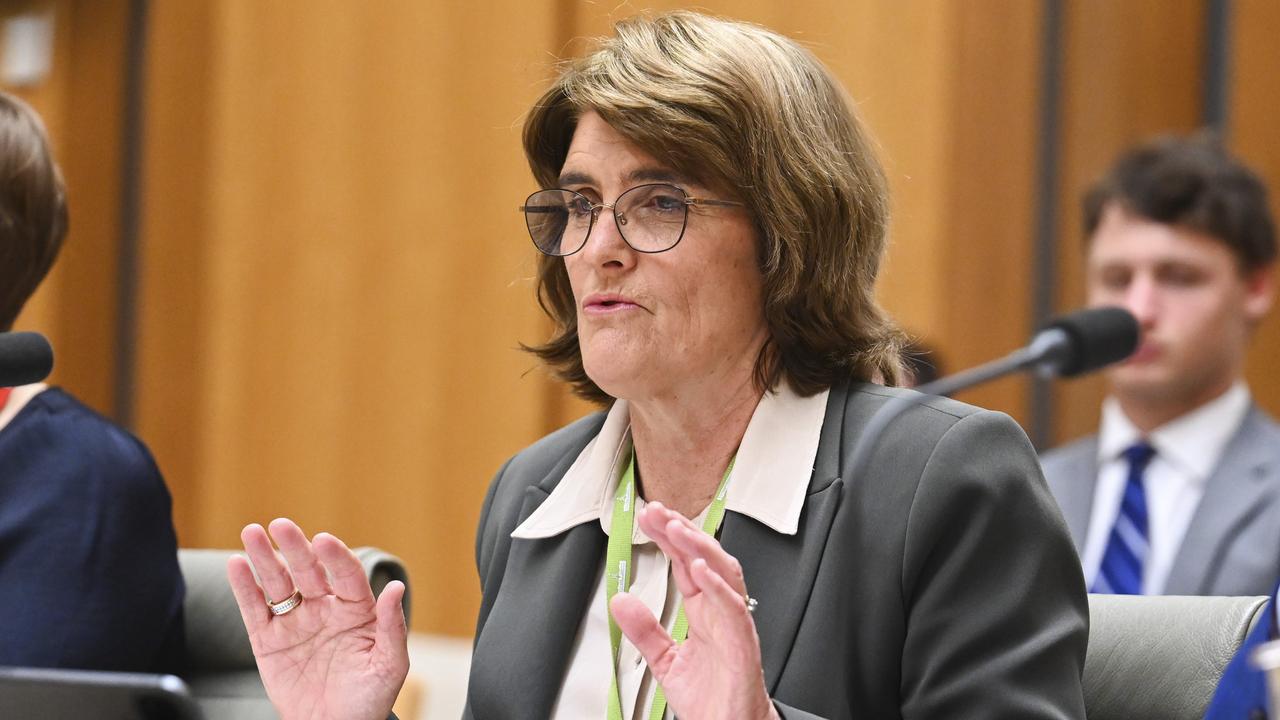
(558, 221)
(652, 216)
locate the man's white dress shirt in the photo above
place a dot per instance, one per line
(1188, 449)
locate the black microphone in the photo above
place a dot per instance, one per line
(25, 357)
(1074, 344)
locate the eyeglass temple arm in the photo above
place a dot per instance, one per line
(717, 203)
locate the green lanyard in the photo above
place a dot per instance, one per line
(617, 575)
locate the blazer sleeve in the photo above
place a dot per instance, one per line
(997, 615)
(1242, 690)
(88, 554)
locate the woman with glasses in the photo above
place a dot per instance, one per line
(711, 223)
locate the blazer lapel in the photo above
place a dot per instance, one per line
(1074, 491)
(780, 569)
(1236, 491)
(542, 601)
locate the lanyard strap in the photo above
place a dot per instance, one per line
(618, 571)
(4, 396)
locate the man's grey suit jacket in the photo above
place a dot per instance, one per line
(1232, 546)
(941, 583)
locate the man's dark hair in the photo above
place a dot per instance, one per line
(1192, 182)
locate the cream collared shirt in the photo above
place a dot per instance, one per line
(18, 399)
(1187, 451)
(769, 483)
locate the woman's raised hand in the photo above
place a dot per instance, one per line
(339, 654)
(716, 672)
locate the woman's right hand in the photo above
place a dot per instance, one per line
(340, 654)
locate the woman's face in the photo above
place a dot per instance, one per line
(660, 325)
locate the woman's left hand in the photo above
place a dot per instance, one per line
(716, 672)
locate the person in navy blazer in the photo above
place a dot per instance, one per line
(1242, 691)
(89, 575)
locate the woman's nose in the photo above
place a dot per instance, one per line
(605, 243)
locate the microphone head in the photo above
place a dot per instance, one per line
(25, 357)
(1096, 338)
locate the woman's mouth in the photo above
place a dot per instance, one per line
(608, 304)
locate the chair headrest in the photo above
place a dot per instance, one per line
(1161, 656)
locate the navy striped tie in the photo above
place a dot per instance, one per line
(1126, 554)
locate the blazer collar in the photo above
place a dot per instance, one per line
(780, 569)
(1075, 490)
(1244, 482)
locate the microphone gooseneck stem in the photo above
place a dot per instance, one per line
(1074, 344)
(1041, 353)
(1019, 359)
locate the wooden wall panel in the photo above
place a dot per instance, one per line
(1131, 70)
(987, 246)
(1254, 106)
(172, 397)
(354, 271)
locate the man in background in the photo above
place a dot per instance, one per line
(1179, 492)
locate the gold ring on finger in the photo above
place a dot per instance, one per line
(286, 605)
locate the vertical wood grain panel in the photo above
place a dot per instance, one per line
(92, 160)
(356, 274)
(1254, 105)
(987, 247)
(1131, 70)
(171, 403)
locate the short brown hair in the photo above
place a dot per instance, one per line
(33, 207)
(1195, 183)
(743, 110)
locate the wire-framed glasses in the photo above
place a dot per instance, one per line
(651, 218)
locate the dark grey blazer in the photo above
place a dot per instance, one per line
(940, 584)
(1232, 546)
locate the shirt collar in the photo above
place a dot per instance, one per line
(769, 482)
(21, 395)
(1193, 442)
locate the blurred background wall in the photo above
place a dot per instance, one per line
(296, 269)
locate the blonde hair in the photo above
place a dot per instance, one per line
(743, 110)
